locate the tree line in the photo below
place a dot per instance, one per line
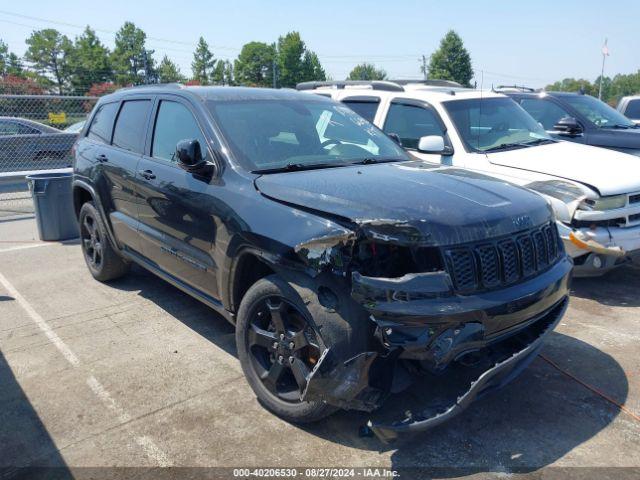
(612, 88)
(85, 66)
(54, 63)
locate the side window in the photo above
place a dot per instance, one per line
(366, 109)
(633, 109)
(411, 122)
(15, 128)
(545, 112)
(102, 123)
(174, 122)
(131, 125)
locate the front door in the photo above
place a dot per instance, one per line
(410, 120)
(176, 235)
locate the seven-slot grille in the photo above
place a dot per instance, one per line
(491, 264)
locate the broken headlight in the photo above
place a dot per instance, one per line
(605, 203)
(378, 259)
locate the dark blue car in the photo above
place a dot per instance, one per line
(579, 118)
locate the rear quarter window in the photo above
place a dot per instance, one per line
(633, 109)
(102, 123)
(131, 125)
(366, 109)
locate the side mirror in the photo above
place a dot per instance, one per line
(568, 126)
(189, 155)
(433, 144)
(395, 137)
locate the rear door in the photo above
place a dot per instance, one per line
(176, 233)
(119, 165)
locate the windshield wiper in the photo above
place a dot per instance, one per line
(504, 146)
(620, 126)
(296, 167)
(369, 161)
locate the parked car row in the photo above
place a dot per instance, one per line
(595, 193)
(26, 145)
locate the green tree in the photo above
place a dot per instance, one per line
(573, 85)
(89, 62)
(203, 63)
(451, 61)
(311, 67)
(14, 66)
(168, 72)
(49, 51)
(367, 71)
(132, 63)
(254, 65)
(217, 74)
(229, 73)
(4, 58)
(291, 49)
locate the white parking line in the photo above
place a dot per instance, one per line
(147, 444)
(25, 247)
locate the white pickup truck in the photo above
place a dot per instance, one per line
(595, 193)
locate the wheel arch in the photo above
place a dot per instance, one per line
(84, 192)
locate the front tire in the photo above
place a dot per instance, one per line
(278, 339)
(103, 261)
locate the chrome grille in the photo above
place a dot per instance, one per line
(503, 261)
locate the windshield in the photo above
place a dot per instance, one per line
(494, 124)
(268, 135)
(598, 112)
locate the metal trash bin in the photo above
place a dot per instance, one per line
(53, 205)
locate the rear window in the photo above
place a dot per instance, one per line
(131, 125)
(102, 123)
(366, 109)
(633, 109)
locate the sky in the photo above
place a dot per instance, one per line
(526, 43)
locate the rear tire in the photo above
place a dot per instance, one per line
(101, 258)
(273, 308)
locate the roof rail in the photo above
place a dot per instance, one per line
(340, 84)
(520, 88)
(152, 85)
(429, 82)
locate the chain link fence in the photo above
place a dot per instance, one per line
(36, 133)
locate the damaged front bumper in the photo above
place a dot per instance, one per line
(492, 379)
(418, 321)
(600, 249)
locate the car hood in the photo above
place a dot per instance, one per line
(615, 138)
(438, 206)
(607, 171)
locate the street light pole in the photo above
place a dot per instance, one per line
(605, 54)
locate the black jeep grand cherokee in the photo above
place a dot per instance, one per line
(343, 263)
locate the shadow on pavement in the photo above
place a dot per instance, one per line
(532, 422)
(23, 437)
(618, 288)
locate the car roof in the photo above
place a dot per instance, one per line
(418, 92)
(220, 93)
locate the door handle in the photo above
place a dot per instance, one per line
(147, 174)
(102, 158)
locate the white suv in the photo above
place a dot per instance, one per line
(595, 192)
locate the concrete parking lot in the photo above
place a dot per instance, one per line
(138, 374)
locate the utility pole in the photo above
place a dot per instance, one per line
(423, 67)
(605, 54)
(274, 72)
